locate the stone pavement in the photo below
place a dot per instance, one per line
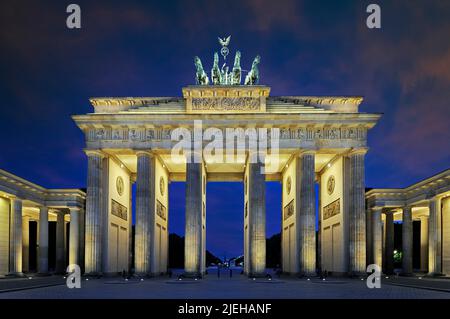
(28, 282)
(437, 284)
(236, 287)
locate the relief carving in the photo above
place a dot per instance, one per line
(332, 209)
(226, 104)
(118, 210)
(288, 210)
(160, 210)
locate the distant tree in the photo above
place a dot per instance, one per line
(176, 253)
(211, 259)
(239, 260)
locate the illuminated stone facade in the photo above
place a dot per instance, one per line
(426, 202)
(322, 141)
(23, 203)
(318, 137)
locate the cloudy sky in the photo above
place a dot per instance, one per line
(146, 48)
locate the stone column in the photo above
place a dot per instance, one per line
(81, 238)
(389, 250)
(74, 240)
(305, 213)
(130, 225)
(60, 247)
(424, 243)
(194, 246)
(369, 236)
(145, 212)
(377, 237)
(256, 218)
(407, 241)
(93, 235)
(43, 240)
(25, 243)
(383, 226)
(357, 213)
(434, 254)
(15, 239)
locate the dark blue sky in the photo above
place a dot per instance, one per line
(146, 48)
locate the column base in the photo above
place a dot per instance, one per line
(435, 274)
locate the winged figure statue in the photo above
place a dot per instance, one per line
(225, 41)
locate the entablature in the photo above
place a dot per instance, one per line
(13, 186)
(417, 194)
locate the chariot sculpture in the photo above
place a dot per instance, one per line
(222, 75)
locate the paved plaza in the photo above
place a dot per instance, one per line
(213, 287)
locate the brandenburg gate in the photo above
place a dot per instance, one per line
(301, 141)
(224, 129)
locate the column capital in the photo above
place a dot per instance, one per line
(95, 153)
(58, 211)
(307, 152)
(15, 198)
(388, 211)
(433, 200)
(44, 208)
(357, 151)
(423, 217)
(144, 153)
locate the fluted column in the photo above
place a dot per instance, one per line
(74, 240)
(81, 238)
(145, 209)
(407, 241)
(43, 240)
(15, 248)
(377, 237)
(256, 218)
(25, 243)
(305, 213)
(194, 246)
(434, 254)
(60, 243)
(424, 243)
(369, 236)
(93, 235)
(357, 213)
(389, 251)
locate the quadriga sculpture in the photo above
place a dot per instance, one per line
(200, 77)
(252, 77)
(216, 75)
(237, 71)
